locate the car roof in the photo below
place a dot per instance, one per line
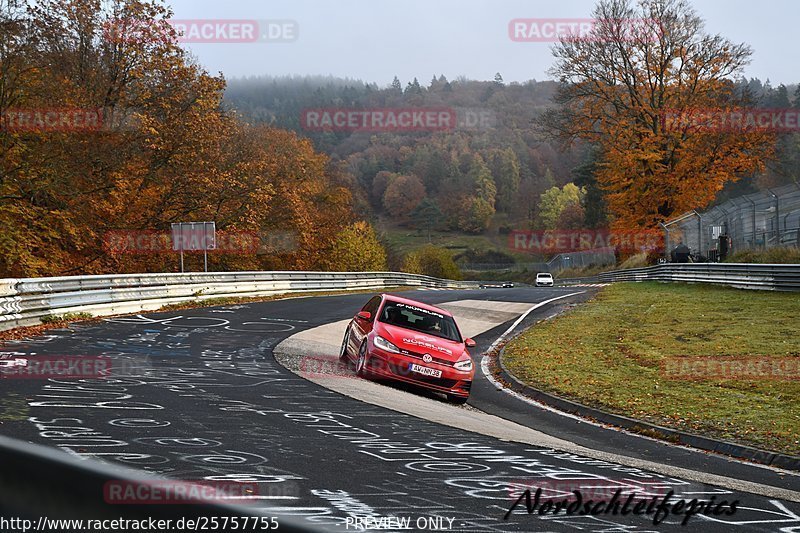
(544, 274)
(416, 303)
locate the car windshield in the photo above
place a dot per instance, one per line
(419, 319)
(545, 276)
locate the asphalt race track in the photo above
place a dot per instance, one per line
(199, 395)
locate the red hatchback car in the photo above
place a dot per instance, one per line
(405, 340)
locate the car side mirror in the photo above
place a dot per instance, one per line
(364, 315)
(469, 343)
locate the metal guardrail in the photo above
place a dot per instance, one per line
(26, 301)
(740, 275)
(39, 483)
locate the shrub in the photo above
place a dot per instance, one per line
(635, 261)
(357, 249)
(432, 261)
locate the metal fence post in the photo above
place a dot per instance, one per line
(777, 217)
(752, 235)
(699, 234)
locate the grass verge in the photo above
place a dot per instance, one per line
(778, 255)
(610, 353)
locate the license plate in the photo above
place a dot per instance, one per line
(425, 371)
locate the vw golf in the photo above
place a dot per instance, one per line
(404, 340)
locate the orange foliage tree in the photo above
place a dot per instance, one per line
(619, 85)
(402, 195)
(166, 150)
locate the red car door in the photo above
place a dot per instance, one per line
(362, 324)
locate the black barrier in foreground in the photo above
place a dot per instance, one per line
(42, 486)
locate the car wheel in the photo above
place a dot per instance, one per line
(343, 356)
(361, 364)
(458, 400)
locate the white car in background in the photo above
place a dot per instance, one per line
(544, 279)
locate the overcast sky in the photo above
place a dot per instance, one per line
(374, 40)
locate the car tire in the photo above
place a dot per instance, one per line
(361, 363)
(343, 355)
(457, 400)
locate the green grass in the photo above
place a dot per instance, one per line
(779, 255)
(608, 353)
(584, 272)
(404, 240)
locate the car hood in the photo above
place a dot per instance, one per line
(414, 341)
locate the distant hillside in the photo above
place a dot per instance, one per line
(460, 179)
(466, 179)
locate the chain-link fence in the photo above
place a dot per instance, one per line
(765, 219)
(515, 267)
(595, 257)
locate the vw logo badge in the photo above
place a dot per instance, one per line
(427, 358)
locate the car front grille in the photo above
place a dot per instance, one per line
(435, 359)
(430, 380)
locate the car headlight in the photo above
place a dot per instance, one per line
(383, 344)
(465, 365)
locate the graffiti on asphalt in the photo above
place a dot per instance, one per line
(251, 421)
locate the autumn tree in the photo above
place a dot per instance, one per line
(555, 201)
(402, 195)
(357, 249)
(571, 217)
(166, 151)
(617, 86)
(432, 261)
(379, 184)
(475, 214)
(481, 180)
